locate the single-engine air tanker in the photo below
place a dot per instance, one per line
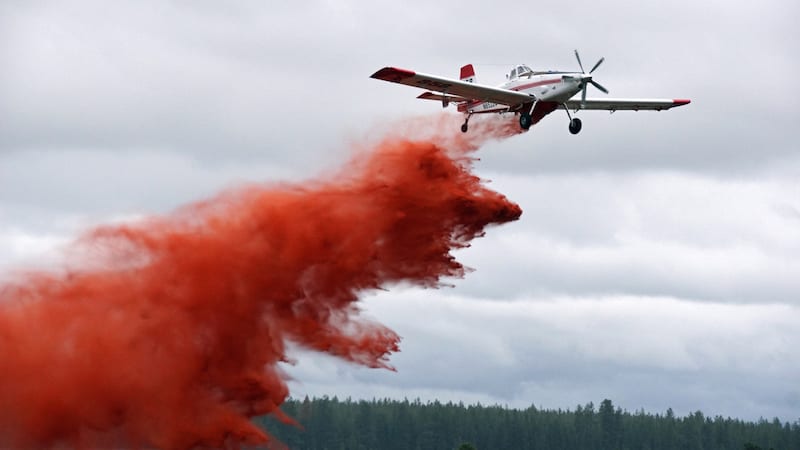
(527, 93)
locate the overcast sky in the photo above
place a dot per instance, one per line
(657, 261)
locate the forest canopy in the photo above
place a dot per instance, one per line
(331, 423)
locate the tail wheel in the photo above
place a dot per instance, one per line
(525, 121)
(575, 126)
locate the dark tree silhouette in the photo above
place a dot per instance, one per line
(328, 423)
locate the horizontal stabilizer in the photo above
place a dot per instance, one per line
(443, 97)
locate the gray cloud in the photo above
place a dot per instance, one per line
(574, 349)
(643, 234)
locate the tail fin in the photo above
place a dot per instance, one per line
(468, 73)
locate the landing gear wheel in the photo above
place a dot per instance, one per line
(575, 126)
(465, 126)
(525, 121)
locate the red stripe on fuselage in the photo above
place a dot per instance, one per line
(538, 83)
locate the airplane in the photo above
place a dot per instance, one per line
(527, 93)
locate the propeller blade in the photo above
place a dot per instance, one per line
(598, 86)
(598, 64)
(578, 57)
(583, 96)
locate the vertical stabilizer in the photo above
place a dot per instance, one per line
(468, 73)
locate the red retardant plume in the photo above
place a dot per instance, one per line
(170, 335)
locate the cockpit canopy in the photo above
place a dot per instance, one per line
(519, 71)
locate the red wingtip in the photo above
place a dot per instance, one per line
(392, 74)
(681, 101)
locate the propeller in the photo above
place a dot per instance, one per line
(587, 78)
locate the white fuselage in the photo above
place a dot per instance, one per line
(555, 87)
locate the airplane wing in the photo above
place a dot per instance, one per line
(620, 104)
(451, 87)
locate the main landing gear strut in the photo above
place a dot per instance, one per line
(575, 124)
(525, 119)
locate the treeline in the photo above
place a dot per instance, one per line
(328, 423)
